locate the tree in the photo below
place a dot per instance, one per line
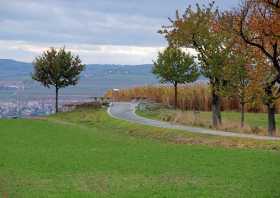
(240, 83)
(240, 64)
(264, 87)
(176, 67)
(57, 68)
(198, 29)
(258, 24)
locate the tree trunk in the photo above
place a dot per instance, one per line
(56, 99)
(271, 120)
(242, 114)
(216, 109)
(175, 95)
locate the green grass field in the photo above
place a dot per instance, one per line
(88, 154)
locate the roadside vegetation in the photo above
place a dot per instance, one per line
(255, 123)
(237, 51)
(194, 108)
(76, 155)
(195, 96)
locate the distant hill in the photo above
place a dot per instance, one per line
(95, 80)
(15, 69)
(95, 69)
(9, 64)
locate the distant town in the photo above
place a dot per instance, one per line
(20, 96)
(15, 102)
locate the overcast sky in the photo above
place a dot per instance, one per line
(100, 31)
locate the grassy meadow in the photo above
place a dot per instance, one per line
(86, 153)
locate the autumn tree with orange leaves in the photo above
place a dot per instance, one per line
(263, 87)
(239, 65)
(240, 81)
(258, 25)
(238, 51)
(198, 29)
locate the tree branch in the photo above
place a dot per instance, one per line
(247, 40)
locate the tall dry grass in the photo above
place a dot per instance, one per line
(194, 118)
(190, 97)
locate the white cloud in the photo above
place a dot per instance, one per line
(102, 54)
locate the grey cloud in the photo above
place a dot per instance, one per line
(37, 22)
(94, 22)
(128, 22)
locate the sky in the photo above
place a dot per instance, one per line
(99, 31)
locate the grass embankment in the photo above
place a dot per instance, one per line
(88, 154)
(255, 123)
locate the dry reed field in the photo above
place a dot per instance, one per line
(190, 97)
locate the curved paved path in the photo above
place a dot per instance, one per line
(126, 111)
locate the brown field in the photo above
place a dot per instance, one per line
(191, 97)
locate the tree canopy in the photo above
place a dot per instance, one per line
(176, 67)
(57, 68)
(199, 29)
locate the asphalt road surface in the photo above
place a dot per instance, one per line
(126, 111)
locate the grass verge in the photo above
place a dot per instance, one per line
(255, 123)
